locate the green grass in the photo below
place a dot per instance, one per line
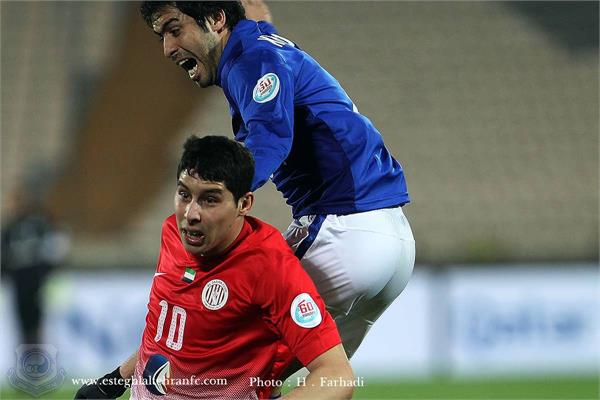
(548, 388)
(493, 388)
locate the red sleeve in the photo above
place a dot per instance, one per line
(291, 303)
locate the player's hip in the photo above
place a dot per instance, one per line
(304, 232)
(353, 255)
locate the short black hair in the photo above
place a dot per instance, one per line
(219, 159)
(199, 10)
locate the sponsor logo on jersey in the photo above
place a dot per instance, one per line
(305, 311)
(157, 374)
(266, 88)
(214, 294)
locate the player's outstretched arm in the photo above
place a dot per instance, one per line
(111, 385)
(257, 10)
(328, 373)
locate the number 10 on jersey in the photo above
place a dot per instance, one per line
(178, 317)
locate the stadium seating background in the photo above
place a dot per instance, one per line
(492, 108)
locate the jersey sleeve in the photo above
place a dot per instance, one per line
(291, 304)
(262, 85)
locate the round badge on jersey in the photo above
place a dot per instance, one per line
(266, 88)
(214, 294)
(305, 311)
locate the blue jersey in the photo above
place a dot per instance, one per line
(302, 128)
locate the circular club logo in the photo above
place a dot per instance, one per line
(36, 364)
(266, 88)
(214, 294)
(305, 311)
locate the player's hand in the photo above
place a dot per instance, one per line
(257, 10)
(110, 386)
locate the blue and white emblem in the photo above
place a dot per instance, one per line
(266, 88)
(36, 371)
(305, 311)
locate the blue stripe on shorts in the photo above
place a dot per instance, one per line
(313, 230)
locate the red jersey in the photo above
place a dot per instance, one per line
(222, 323)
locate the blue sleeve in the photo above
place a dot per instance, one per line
(262, 86)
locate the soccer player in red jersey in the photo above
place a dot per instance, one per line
(230, 305)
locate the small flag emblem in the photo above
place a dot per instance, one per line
(188, 275)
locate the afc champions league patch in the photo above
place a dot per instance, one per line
(214, 294)
(305, 311)
(266, 88)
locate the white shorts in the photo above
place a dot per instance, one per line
(359, 262)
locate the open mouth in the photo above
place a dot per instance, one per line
(190, 65)
(194, 238)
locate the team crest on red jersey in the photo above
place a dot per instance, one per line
(214, 294)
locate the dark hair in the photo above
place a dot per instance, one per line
(219, 159)
(199, 10)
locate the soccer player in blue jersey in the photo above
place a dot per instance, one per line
(328, 160)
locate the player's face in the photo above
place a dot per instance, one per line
(188, 46)
(208, 217)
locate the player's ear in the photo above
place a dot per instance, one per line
(216, 22)
(245, 203)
